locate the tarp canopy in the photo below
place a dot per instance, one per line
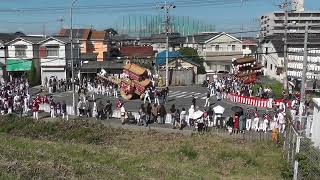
(161, 57)
(19, 64)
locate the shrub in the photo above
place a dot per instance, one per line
(83, 131)
(188, 151)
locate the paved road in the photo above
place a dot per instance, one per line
(180, 96)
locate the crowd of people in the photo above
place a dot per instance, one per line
(15, 96)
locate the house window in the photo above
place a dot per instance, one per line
(20, 50)
(227, 67)
(233, 47)
(270, 66)
(52, 50)
(217, 48)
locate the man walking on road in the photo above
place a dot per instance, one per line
(194, 101)
(207, 103)
(115, 90)
(146, 96)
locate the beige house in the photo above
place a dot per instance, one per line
(217, 49)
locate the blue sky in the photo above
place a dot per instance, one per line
(225, 17)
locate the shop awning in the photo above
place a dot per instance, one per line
(19, 64)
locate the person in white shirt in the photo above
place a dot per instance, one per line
(190, 113)
(282, 122)
(115, 91)
(255, 124)
(207, 103)
(123, 114)
(146, 96)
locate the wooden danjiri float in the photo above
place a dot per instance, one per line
(133, 82)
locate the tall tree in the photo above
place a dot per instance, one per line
(193, 55)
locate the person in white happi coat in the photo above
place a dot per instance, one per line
(146, 96)
(255, 124)
(270, 103)
(115, 91)
(207, 103)
(190, 115)
(91, 90)
(248, 119)
(99, 89)
(282, 106)
(212, 90)
(52, 109)
(274, 122)
(25, 105)
(282, 122)
(265, 123)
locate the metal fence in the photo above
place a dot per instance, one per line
(302, 156)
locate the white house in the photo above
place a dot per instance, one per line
(217, 49)
(23, 52)
(273, 61)
(54, 55)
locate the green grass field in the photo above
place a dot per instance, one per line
(87, 150)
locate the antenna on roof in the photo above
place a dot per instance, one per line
(61, 20)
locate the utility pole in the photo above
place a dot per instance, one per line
(167, 7)
(303, 95)
(285, 6)
(304, 73)
(72, 58)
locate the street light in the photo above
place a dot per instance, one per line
(166, 7)
(71, 57)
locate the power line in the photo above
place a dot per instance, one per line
(190, 3)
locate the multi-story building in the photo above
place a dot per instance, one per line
(54, 53)
(23, 53)
(158, 41)
(4, 38)
(81, 36)
(273, 23)
(99, 43)
(217, 49)
(272, 57)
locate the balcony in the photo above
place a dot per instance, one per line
(53, 62)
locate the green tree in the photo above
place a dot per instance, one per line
(32, 76)
(193, 55)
